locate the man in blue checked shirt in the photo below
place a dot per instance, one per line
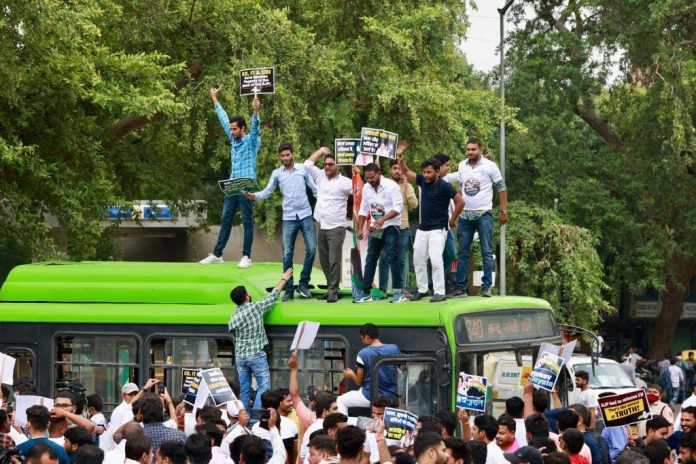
(243, 152)
(293, 181)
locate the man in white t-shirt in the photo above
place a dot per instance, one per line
(586, 395)
(676, 378)
(477, 177)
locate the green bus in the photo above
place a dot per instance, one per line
(106, 323)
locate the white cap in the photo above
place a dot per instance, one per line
(130, 387)
(233, 408)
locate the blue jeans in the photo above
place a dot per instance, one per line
(256, 364)
(309, 234)
(229, 210)
(450, 253)
(484, 227)
(390, 243)
(404, 247)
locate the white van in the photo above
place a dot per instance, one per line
(608, 376)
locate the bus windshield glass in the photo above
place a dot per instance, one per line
(505, 326)
(606, 375)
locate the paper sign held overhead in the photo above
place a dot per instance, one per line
(400, 425)
(346, 151)
(378, 142)
(209, 382)
(256, 81)
(472, 391)
(7, 365)
(304, 335)
(625, 408)
(564, 351)
(188, 375)
(546, 370)
(24, 402)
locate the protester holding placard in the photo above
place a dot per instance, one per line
(381, 200)
(435, 221)
(243, 153)
(293, 181)
(249, 333)
(333, 191)
(477, 176)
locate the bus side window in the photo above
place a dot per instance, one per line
(169, 356)
(418, 387)
(101, 363)
(320, 366)
(24, 362)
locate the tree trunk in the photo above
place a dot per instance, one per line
(672, 304)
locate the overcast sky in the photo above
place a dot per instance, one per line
(483, 35)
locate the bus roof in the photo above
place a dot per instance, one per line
(175, 293)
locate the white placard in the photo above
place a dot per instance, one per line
(305, 335)
(478, 278)
(7, 364)
(565, 351)
(24, 402)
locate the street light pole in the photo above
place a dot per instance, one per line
(502, 11)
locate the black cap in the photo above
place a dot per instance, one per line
(525, 454)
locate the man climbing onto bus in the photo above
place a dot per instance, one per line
(386, 375)
(434, 223)
(250, 338)
(293, 181)
(243, 152)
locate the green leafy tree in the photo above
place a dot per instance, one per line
(619, 156)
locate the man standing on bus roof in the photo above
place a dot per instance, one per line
(243, 152)
(333, 191)
(250, 338)
(293, 181)
(431, 236)
(477, 176)
(381, 199)
(386, 375)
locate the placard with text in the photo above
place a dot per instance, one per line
(546, 370)
(256, 81)
(378, 142)
(472, 392)
(625, 408)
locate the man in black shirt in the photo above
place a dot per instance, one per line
(432, 230)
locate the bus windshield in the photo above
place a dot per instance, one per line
(606, 375)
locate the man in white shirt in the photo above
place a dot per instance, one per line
(382, 201)
(485, 429)
(676, 377)
(123, 412)
(288, 429)
(477, 176)
(586, 396)
(333, 191)
(139, 450)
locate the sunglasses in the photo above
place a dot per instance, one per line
(329, 164)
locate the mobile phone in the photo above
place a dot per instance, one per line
(311, 393)
(367, 423)
(260, 415)
(158, 388)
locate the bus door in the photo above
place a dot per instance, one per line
(422, 381)
(25, 359)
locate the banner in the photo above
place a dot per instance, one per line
(231, 187)
(472, 392)
(378, 142)
(399, 424)
(346, 151)
(546, 369)
(625, 408)
(7, 364)
(188, 375)
(254, 81)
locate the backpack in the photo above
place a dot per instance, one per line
(665, 381)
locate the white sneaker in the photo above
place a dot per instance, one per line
(244, 263)
(211, 259)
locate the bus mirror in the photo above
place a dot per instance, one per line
(518, 358)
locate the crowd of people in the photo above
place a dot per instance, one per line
(382, 211)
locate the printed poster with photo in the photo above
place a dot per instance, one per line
(472, 392)
(400, 425)
(546, 370)
(378, 142)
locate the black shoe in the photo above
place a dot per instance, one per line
(303, 290)
(287, 296)
(438, 298)
(323, 297)
(458, 293)
(332, 298)
(418, 296)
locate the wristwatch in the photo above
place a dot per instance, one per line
(503, 211)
